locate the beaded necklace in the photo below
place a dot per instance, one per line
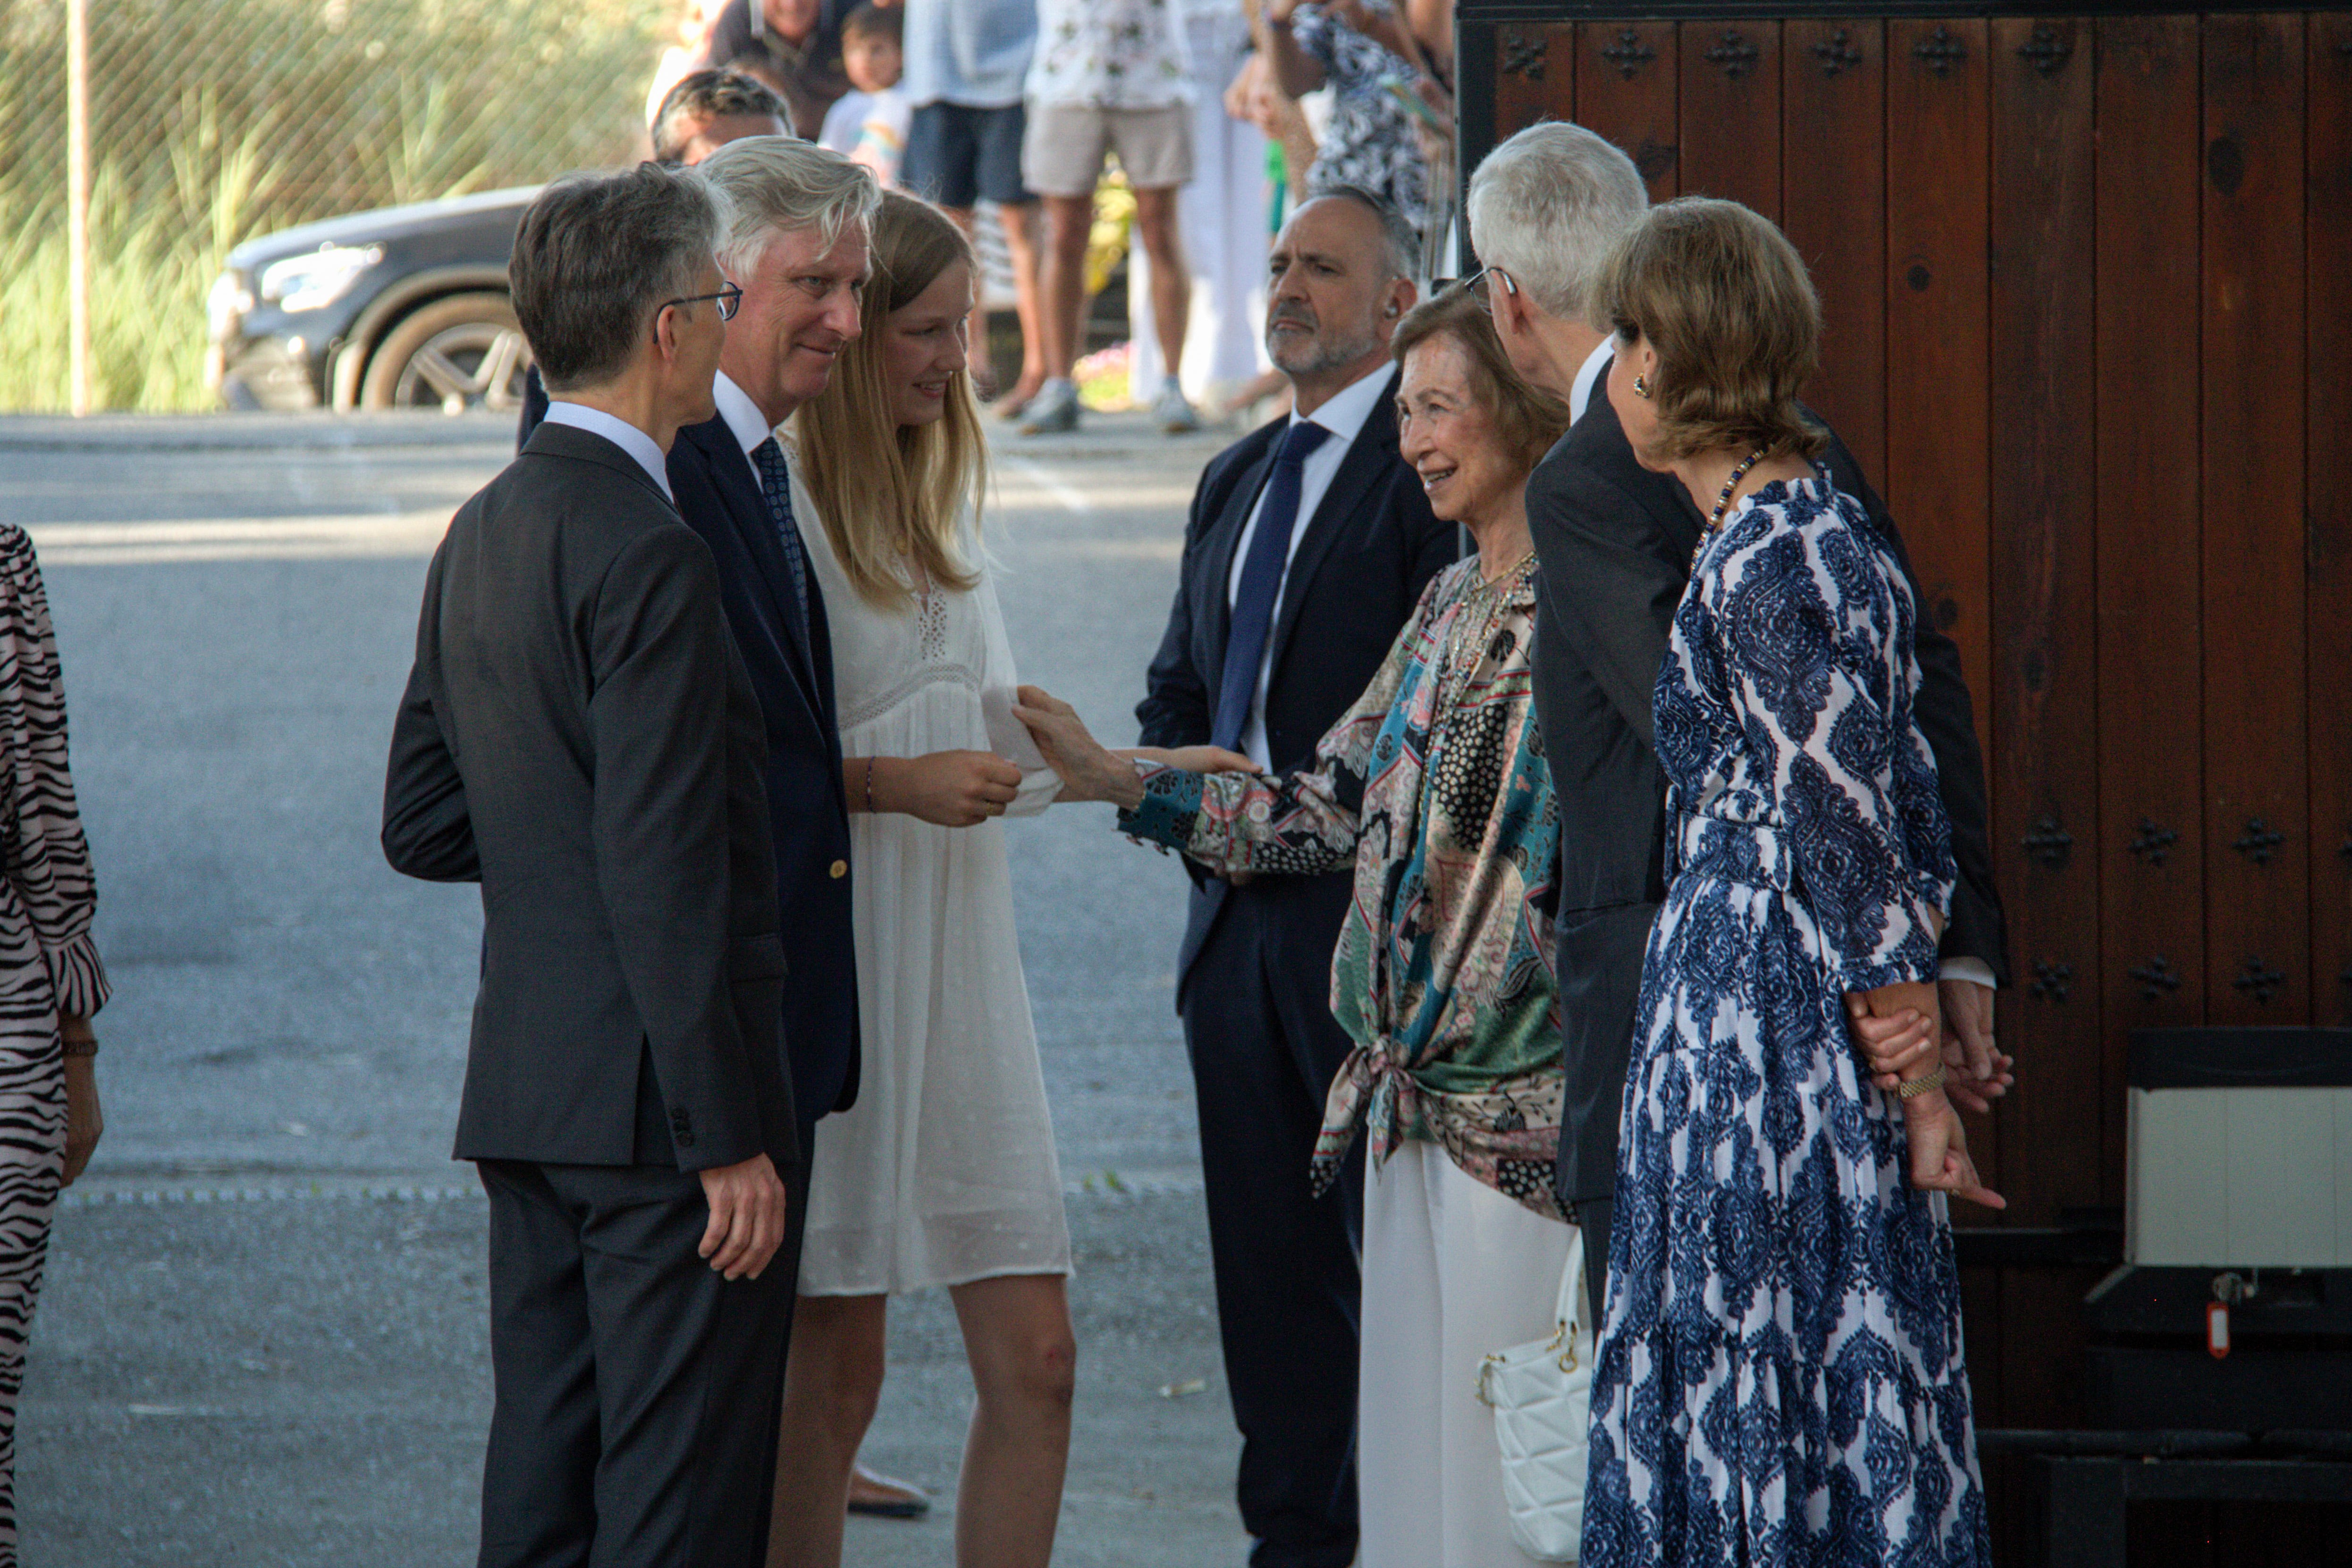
(1474, 620)
(1722, 503)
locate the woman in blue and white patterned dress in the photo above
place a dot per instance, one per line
(1778, 1379)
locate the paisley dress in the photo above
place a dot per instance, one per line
(1778, 1379)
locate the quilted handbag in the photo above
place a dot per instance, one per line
(1541, 1395)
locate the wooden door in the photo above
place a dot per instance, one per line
(2087, 285)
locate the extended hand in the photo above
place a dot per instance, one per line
(1190, 759)
(954, 789)
(1939, 1151)
(747, 1217)
(1087, 771)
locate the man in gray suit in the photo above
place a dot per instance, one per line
(579, 735)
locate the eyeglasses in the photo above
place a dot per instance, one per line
(729, 299)
(1467, 285)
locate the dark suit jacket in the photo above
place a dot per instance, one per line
(578, 736)
(790, 665)
(1615, 543)
(1361, 566)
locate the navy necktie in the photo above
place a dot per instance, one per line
(776, 485)
(1261, 583)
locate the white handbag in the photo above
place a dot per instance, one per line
(1541, 1395)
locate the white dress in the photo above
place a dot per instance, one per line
(944, 1170)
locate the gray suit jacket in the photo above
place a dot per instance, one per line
(578, 736)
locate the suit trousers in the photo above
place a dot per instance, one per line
(638, 1391)
(1264, 1050)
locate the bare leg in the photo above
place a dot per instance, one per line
(1021, 246)
(832, 1384)
(1016, 1335)
(1171, 285)
(1062, 281)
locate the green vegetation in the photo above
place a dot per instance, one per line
(214, 121)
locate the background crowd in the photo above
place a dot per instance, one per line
(1195, 132)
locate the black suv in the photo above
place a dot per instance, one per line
(402, 307)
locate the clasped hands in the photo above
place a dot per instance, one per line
(1904, 1032)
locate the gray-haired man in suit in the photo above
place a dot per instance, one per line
(578, 736)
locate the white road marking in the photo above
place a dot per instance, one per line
(379, 534)
(1067, 497)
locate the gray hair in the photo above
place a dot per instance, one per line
(1545, 205)
(711, 95)
(1400, 244)
(597, 255)
(777, 185)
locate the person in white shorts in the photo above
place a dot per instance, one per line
(1109, 76)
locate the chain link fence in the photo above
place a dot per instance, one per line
(211, 122)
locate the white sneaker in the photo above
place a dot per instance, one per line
(1171, 410)
(1053, 411)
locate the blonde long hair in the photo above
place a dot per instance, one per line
(889, 494)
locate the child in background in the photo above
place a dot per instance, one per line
(869, 125)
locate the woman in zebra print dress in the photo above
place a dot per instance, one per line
(50, 977)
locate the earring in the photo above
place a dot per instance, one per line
(1641, 387)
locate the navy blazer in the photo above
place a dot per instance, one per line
(1614, 543)
(792, 670)
(1367, 554)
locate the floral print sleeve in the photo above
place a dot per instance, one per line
(1295, 824)
(1816, 636)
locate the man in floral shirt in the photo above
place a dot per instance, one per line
(1108, 76)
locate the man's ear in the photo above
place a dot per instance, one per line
(1402, 297)
(1510, 310)
(664, 336)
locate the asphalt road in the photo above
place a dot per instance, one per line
(262, 1340)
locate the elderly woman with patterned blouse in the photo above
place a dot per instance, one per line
(1436, 788)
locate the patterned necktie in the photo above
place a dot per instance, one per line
(1261, 583)
(776, 485)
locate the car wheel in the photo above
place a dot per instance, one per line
(464, 352)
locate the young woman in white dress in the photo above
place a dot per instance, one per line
(944, 1172)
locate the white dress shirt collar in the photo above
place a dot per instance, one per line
(749, 425)
(619, 432)
(1344, 412)
(1580, 395)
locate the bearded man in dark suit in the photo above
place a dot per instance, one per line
(1308, 545)
(580, 736)
(1614, 543)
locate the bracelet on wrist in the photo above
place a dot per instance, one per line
(81, 1048)
(870, 786)
(1912, 1088)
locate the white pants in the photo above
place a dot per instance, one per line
(1454, 1271)
(1221, 218)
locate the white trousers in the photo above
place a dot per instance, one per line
(1221, 218)
(1454, 1271)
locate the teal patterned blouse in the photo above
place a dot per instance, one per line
(1434, 787)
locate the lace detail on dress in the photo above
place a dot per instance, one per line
(932, 625)
(898, 691)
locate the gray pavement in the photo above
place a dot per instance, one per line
(262, 1339)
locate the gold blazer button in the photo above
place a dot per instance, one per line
(840, 869)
